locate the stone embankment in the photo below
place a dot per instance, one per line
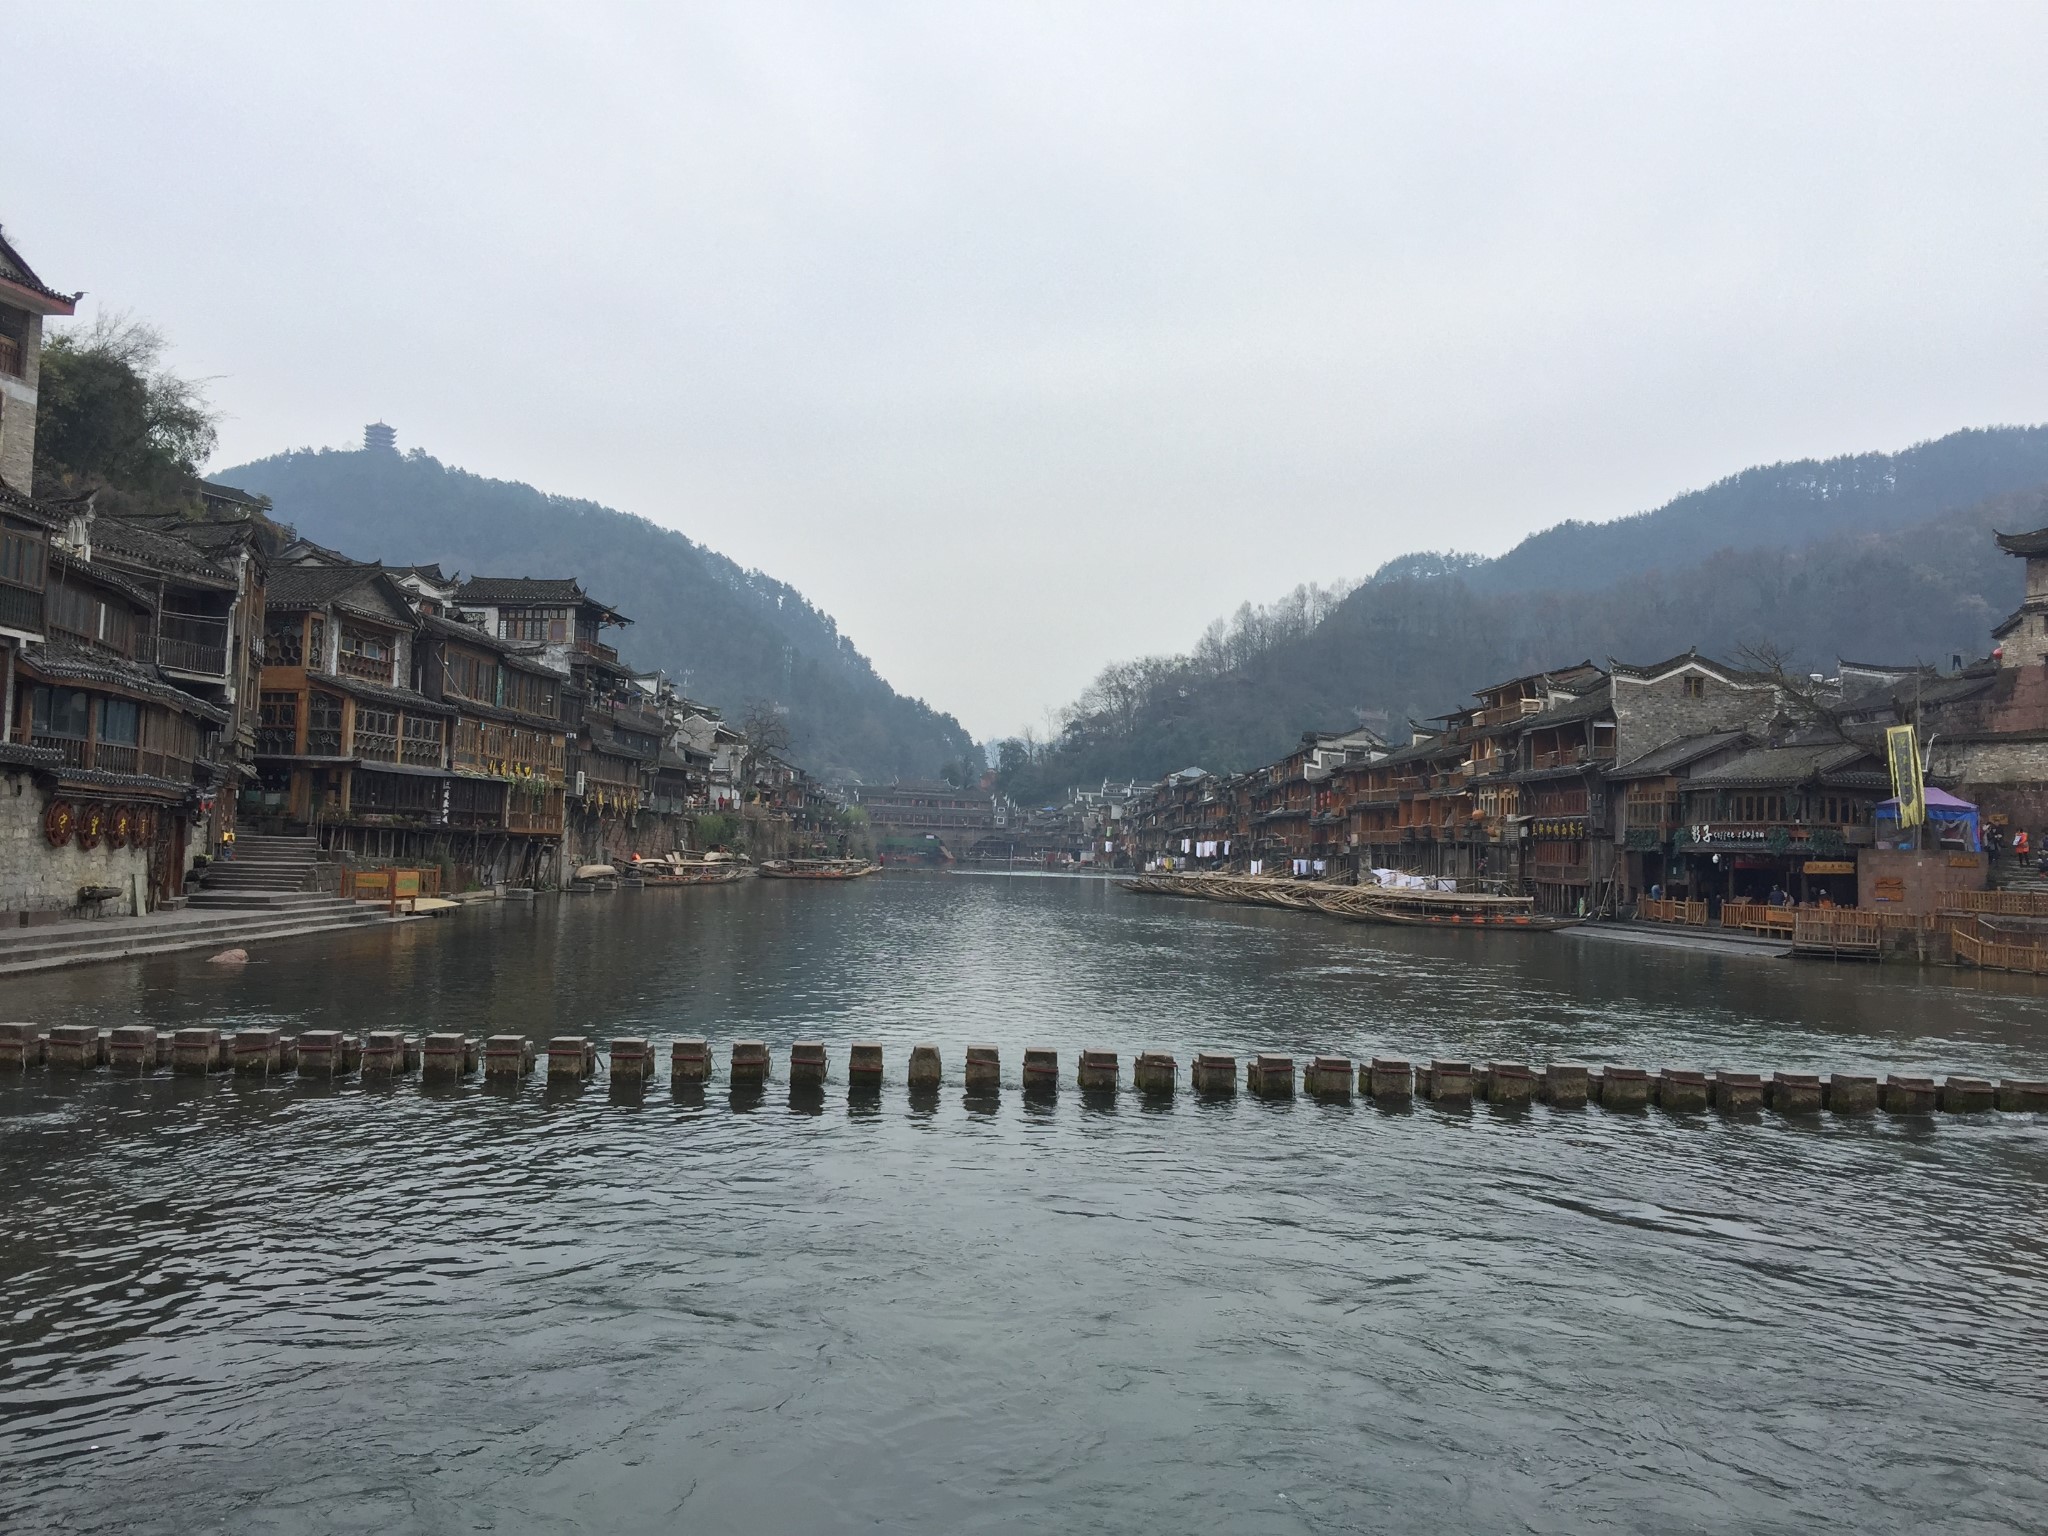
(507, 1061)
(265, 892)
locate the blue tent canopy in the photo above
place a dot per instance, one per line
(1955, 823)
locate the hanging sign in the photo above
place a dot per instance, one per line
(1904, 752)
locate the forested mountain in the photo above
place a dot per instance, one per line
(1879, 558)
(734, 636)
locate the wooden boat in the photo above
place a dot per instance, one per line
(1442, 914)
(818, 869)
(1361, 903)
(674, 875)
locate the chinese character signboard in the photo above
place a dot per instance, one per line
(1904, 753)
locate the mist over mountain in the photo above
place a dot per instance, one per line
(1875, 557)
(728, 635)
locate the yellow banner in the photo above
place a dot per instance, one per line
(1904, 753)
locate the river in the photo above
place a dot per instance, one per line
(266, 1306)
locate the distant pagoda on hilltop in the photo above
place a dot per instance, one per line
(378, 437)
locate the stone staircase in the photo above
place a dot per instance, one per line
(266, 872)
(261, 893)
(2010, 875)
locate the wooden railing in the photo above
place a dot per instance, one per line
(1757, 917)
(1989, 951)
(1667, 910)
(1841, 929)
(191, 643)
(1566, 756)
(370, 669)
(541, 818)
(1998, 903)
(20, 608)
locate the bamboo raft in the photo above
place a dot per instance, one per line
(1359, 903)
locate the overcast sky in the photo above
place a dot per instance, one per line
(1022, 338)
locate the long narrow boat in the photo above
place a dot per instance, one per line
(818, 869)
(1360, 903)
(716, 874)
(1421, 909)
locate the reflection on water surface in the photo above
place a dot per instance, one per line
(243, 1305)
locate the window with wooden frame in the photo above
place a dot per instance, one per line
(284, 640)
(366, 654)
(278, 734)
(421, 747)
(23, 558)
(376, 734)
(323, 724)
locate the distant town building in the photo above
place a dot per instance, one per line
(25, 300)
(909, 818)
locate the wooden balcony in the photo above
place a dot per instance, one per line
(193, 644)
(21, 608)
(543, 819)
(369, 669)
(115, 757)
(1563, 758)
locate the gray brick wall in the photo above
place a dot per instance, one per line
(18, 417)
(1648, 715)
(34, 877)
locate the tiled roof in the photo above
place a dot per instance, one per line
(520, 589)
(1675, 755)
(15, 754)
(1790, 765)
(1415, 752)
(312, 585)
(1594, 701)
(564, 592)
(432, 574)
(383, 693)
(2035, 543)
(18, 271)
(92, 570)
(306, 552)
(317, 586)
(510, 716)
(101, 778)
(213, 490)
(518, 655)
(1687, 659)
(60, 661)
(160, 552)
(604, 739)
(2011, 621)
(202, 533)
(28, 508)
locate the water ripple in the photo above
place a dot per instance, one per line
(286, 1307)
